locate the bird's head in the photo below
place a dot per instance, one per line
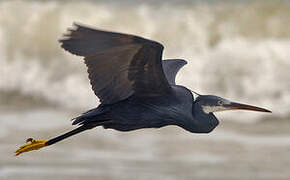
(210, 104)
(206, 105)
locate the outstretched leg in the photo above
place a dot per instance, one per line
(34, 144)
(88, 120)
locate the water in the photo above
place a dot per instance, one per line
(237, 50)
(230, 152)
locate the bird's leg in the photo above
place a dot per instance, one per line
(32, 144)
(35, 144)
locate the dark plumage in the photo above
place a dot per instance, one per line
(136, 87)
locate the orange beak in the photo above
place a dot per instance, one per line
(238, 106)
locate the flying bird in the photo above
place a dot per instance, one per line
(136, 88)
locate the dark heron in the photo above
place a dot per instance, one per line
(136, 87)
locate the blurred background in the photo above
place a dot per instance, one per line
(239, 50)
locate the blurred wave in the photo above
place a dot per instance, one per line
(236, 50)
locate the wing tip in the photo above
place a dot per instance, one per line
(181, 61)
(67, 35)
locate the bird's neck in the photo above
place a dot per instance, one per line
(201, 122)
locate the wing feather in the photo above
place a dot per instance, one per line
(119, 65)
(171, 68)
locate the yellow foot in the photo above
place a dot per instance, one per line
(32, 144)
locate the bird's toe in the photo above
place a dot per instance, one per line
(33, 144)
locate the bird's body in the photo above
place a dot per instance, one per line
(134, 113)
(136, 87)
(153, 112)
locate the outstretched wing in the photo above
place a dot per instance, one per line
(119, 65)
(171, 68)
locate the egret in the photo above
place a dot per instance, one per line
(136, 87)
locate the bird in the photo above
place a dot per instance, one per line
(136, 87)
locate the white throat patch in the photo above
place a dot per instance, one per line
(209, 109)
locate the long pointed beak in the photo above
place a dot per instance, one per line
(236, 106)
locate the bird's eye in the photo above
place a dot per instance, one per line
(220, 102)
